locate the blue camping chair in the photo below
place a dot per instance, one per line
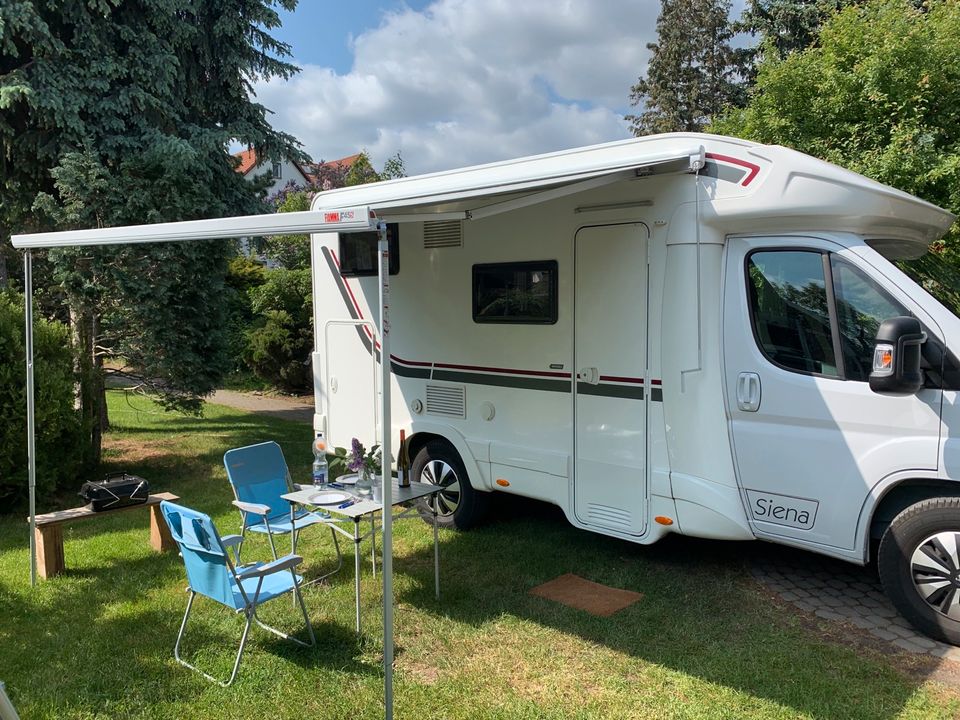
(211, 573)
(259, 476)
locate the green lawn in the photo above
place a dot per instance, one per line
(703, 643)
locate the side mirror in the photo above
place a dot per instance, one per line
(896, 357)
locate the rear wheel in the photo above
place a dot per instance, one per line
(919, 564)
(458, 504)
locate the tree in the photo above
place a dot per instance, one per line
(785, 26)
(879, 94)
(693, 72)
(133, 105)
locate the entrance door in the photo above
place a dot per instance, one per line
(811, 439)
(610, 356)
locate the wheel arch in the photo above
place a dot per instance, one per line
(900, 495)
(422, 433)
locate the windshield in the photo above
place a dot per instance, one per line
(937, 271)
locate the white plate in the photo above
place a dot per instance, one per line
(347, 479)
(329, 497)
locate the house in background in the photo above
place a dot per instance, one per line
(282, 171)
(326, 175)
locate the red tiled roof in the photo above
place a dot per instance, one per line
(248, 160)
(345, 163)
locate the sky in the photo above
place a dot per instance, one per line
(450, 83)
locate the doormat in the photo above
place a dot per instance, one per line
(596, 599)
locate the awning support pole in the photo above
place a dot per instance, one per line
(385, 438)
(31, 415)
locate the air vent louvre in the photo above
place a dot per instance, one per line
(447, 401)
(442, 233)
(608, 516)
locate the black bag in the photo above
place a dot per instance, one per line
(115, 491)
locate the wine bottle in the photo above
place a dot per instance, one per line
(403, 462)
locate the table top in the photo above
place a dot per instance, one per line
(365, 505)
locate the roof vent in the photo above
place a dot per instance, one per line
(447, 401)
(442, 233)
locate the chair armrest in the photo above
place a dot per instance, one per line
(284, 563)
(255, 508)
(231, 540)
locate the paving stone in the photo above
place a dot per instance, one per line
(901, 631)
(827, 615)
(861, 622)
(833, 602)
(803, 605)
(923, 641)
(800, 592)
(883, 634)
(909, 645)
(947, 652)
(789, 597)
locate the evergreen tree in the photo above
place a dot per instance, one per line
(132, 103)
(693, 71)
(785, 26)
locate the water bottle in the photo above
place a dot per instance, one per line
(319, 462)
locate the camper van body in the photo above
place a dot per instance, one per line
(598, 329)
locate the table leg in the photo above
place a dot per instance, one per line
(436, 554)
(373, 542)
(356, 567)
(50, 560)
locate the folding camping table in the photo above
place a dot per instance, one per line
(368, 507)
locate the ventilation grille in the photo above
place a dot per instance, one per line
(442, 233)
(447, 401)
(609, 516)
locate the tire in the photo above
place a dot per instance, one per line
(919, 565)
(460, 506)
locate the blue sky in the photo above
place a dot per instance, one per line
(450, 83)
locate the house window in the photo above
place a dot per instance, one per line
(277, 171)
(521, 292)
(358, 252)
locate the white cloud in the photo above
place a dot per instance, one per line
(469, 81)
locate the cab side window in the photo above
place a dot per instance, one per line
(790, 310)
(861, 306)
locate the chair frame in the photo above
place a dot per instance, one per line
(260, 571)
(262, 512)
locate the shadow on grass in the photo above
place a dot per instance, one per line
(698, 615)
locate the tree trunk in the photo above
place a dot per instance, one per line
(90, 386)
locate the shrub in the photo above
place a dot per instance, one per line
(59, 433)
(279, 345)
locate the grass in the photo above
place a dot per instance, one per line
(703, 643)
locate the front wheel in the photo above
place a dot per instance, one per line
(458, 504)
(919, 564)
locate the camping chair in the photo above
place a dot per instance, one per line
(259, 476)
(211, 573)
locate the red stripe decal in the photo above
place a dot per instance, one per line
(614, 378)
(754, 169)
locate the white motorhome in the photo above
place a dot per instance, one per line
(673, 334)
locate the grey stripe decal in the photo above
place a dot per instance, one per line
(407, 371)
(618, 391)
(512, 381)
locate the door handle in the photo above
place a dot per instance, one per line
(590, 376)
(748, 392)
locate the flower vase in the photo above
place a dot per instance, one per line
(364, 482)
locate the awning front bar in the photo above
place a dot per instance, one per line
(352, 219)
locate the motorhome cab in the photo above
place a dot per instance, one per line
(675, 334)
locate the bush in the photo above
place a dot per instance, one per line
(243, 274)
(279, 345)
(59, 433)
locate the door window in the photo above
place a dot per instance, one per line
(790, 311)
(861, 306)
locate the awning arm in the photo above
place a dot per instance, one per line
(551, 194)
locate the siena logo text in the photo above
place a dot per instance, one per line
(783, 509)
